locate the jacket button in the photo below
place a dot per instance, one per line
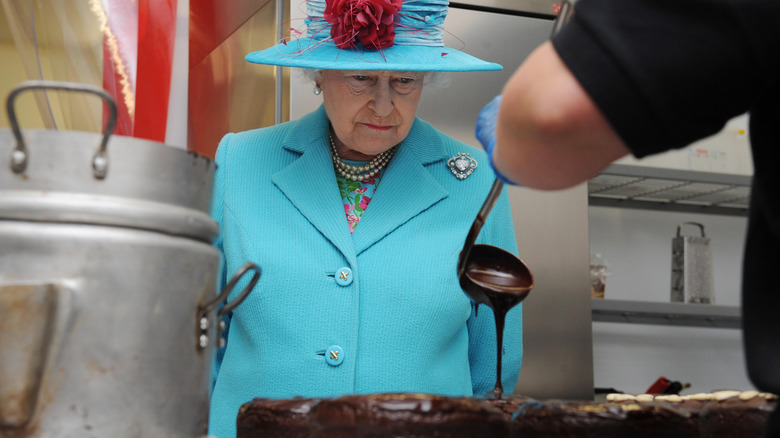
(344, 276)
(334, 355)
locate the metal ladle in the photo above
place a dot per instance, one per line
(493, 276)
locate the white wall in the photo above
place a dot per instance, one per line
(728, 151)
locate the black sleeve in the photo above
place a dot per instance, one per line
(668, 72)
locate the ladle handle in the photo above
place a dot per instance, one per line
(476, 227)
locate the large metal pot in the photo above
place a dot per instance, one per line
(107, 284)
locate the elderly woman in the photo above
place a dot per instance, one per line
(357, 213)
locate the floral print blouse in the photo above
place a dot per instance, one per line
(356, 196)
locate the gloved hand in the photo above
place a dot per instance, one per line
(485, 132)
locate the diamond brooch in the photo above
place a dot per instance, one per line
(462, 165)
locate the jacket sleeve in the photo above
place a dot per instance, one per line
(498, 231)
(217, 204)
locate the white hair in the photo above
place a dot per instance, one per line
(432, 79)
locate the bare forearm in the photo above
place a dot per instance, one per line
(550, 134)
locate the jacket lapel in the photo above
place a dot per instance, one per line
(309, 182)
(406, 189)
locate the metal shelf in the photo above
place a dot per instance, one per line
(629, 186)
(672, 314)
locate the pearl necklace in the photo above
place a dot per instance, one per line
(359, 173)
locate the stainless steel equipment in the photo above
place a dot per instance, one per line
(692, 276)
(107, 284)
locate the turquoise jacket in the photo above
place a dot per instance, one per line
(334, 313)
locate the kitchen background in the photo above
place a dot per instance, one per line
(570, 348)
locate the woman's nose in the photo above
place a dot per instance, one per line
(382, 103)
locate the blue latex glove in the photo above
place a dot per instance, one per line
(485, 132)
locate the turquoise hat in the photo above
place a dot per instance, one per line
(400, 35)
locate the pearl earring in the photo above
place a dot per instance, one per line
(317, 90)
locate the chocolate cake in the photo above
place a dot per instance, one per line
(406, 415)
(264, 417)
(687, 406)
(565, 418)
(723, 414)
(742, 415)
(508, 403)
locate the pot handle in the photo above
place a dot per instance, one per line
(19, 155)
(206, 309)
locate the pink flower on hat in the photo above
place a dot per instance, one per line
(370, 22)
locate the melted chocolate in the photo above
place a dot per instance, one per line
(500, 280)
